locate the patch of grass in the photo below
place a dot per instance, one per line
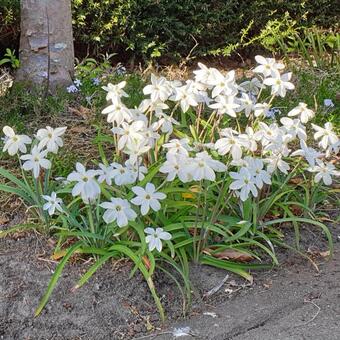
(313, 86)
(20, 106)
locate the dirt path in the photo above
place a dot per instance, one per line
(295, 303)
(291, 302)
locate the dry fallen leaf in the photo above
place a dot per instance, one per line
(231, 254)
(147, 263)
(78, 129)
(314, 252)
(296, 180)
(187, 195)
(58, 255)
(3, 220)
(325, 253)
(82, 112)
(268, 284)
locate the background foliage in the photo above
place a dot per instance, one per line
(169, 29)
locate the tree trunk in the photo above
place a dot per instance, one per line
(46, 43)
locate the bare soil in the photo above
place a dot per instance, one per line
(293, 301)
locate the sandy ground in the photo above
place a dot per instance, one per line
(293, 301)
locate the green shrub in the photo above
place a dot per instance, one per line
(145, 29)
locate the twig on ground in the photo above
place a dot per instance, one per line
(314, 316)
(217, 288)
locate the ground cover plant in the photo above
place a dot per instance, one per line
(201, 170)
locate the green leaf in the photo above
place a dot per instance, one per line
(210, 261)
(18, 227)
(21, 193)
(93, 269)
(55, 277)
(19, 183)
(307, 221)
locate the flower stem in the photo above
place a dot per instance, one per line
(91, 222)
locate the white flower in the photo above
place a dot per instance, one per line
(246, 104)
(230, 143)
(115, 92)
(199, 90)
(136, 169)
(51, 138)
(148, 105)
(251, 138)
(122, 175)
(53, 203)
(129, 134)
(35, 160)
(303, 112)
(205, 75)
(268, 66)
(137, 114)
(165, 123)
(243, 181)
(280, 84)
(255, 166)
(155, 237)
(224, 84)
(178, 146)
(147, 198)
(136, 149)
(328, 103)
(185, 96)
(294, 128)
(310, 154)
(176, 165)
(279, 144)
(267, 133)
(118, 210)
(261, 109)
(150, 137)
(276, 162)
(159, 89)
(225, 105)
(252, 86)
(14, 142)
(106, 173)
(334, 148)
(87, 186)
(204, 167)
(325, 171)
(117, 113)
(327, 135)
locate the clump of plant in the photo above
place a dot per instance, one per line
(201, 170)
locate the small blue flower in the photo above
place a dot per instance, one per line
(72, 89)
(120, 70)
(77, 82)
(253, 97)
(272, 112)
(328, 103)
(96, 81)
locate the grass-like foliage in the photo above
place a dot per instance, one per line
(202, 171)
